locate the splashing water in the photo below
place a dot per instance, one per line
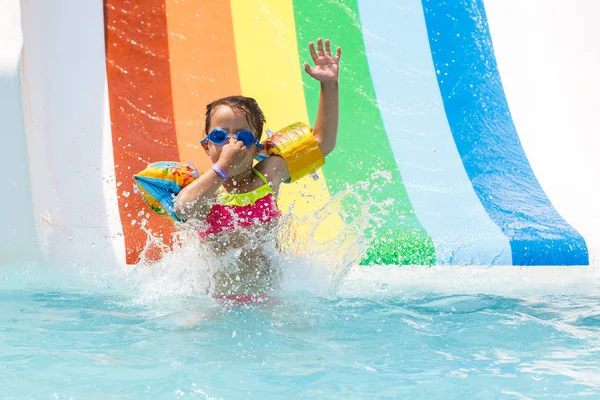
(299, 258)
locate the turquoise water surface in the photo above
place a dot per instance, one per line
(74, 335)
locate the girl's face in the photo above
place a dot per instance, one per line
(232, 121)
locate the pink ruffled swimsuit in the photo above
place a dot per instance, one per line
(243, 209)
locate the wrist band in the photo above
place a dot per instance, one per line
(220, 171)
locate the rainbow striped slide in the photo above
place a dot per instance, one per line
(486, 140)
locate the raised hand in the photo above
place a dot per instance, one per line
(326, 67)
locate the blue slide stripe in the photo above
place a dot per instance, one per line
(415, 121)
(487, 140)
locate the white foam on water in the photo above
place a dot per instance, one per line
(391, 280)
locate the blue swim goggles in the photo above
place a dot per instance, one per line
(220, 137)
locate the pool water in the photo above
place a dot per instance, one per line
(74, 335)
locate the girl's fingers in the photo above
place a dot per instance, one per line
(328, 47)
(311, 49)
(320, 47)
(307, 68)
(338, 53)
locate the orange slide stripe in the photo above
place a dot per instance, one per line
(141, 111)
(203, 68)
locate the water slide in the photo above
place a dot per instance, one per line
(469, 126)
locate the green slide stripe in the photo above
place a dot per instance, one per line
(363, 146)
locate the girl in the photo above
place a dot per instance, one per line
(238, 201)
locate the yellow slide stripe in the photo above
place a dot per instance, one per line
(270, 71)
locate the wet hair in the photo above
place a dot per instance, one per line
(246, 105)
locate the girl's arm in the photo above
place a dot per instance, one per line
(328, 115)
(194, 200)
(326, 71)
